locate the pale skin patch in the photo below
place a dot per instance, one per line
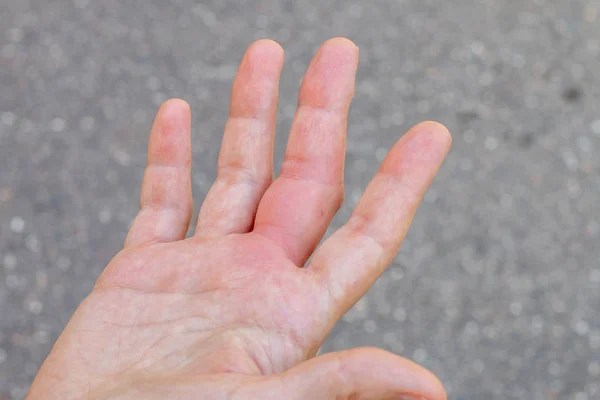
(229, 313)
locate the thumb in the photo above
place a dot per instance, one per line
(360, 374)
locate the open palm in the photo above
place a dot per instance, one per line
(231, 313)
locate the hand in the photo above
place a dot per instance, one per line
(231, 313)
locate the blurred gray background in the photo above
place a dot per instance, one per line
(497, 287)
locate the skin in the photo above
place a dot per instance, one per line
(230, 313)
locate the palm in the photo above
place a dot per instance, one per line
(205, 317)
(241, 287)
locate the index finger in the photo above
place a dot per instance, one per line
(352, 259)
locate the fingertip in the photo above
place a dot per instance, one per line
(420, 151)
(265, 49)
(435, 389)
(174, 111)
(329, 81)
(176, 104)
(268, 43)
(341, 49)
(437, 131)
(341, 41)
(255, 87)
(425, 382)
(366, 373)
(170, 136)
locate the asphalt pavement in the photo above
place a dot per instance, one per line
(497, 287)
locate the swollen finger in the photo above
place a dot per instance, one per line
(298, 207)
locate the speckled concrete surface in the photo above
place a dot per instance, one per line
(497, 288)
